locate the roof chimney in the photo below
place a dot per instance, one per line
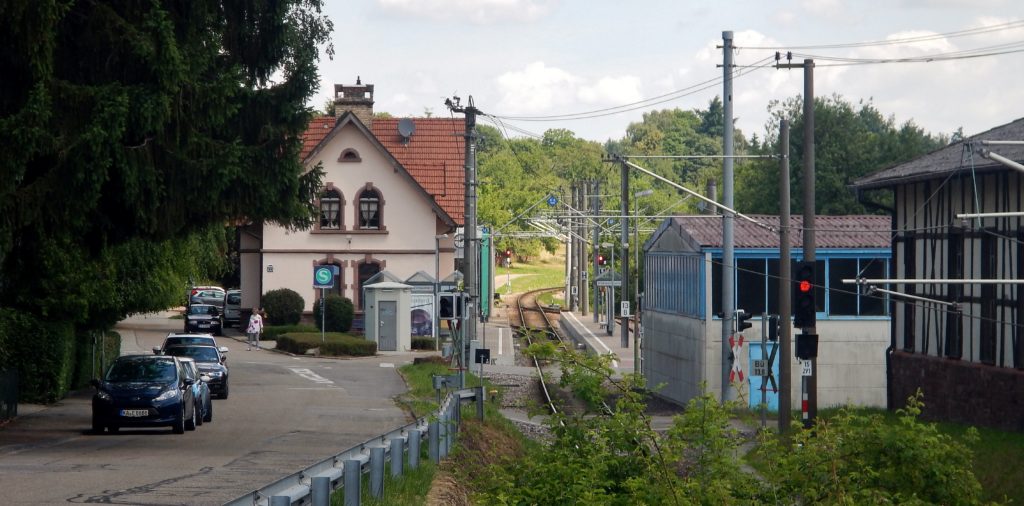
(357, 98)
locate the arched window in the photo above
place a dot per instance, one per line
(330, 210)
(367, 270)
(371, 208)
(350, 155)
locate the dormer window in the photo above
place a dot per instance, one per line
(369, 209)
(330, 210)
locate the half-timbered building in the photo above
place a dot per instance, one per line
(958, 339)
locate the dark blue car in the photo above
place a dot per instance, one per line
(144, 391)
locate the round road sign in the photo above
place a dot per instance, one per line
(323, 276)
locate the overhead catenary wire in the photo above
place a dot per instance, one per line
(1012, 25)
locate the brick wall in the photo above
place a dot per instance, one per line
(960, 391)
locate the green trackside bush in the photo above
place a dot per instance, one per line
(95, 351)
(339, 314)
(283, 306)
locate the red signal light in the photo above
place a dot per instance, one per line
(805, 286)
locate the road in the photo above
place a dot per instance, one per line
(284, 413)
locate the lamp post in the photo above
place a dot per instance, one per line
(435, 323)
(609, 299)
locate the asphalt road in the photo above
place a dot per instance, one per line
(283, 414)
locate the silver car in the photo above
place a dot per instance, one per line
(213, 295)
(232, 307)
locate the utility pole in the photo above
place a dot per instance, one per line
(785, 286)
(728, 259)
(624, 243)
(809, 383)
(471, 246)
(596, 190)
(577, 245)
(584, 287)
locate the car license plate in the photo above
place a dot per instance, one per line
(134, 412)
(204, 324)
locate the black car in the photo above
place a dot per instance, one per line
(210, 361)
(204, 318)
(189, 340)
(144, 391)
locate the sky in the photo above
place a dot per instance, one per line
(544, 58)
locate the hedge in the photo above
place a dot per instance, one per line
(43, 353)
(340, 313)
(337, 344)
(423, 343)
(271, 332)
(283, 306)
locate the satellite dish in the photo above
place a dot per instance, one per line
(406, 127)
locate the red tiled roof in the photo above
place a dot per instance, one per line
(433, 155)
(855, 231)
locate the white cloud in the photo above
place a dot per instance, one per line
(536, 89)
(612, 90)
(477, 11)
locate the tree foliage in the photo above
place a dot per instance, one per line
(133, 133)
(851, 141)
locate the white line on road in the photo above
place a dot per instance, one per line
(615, 363)
(387, 364)
(311, 376)
(499, 341)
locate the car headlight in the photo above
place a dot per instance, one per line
(170, 393)
(214, 374)
(103, 396)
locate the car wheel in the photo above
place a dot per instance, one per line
(97, 424)
(190, 423)
(201, 417)
(179, 423)
(209, 412)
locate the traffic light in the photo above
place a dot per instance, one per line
(806, 346)
(508, 253)
(601, 260)
(450, 306)
(741, 320)
(803, 295)
(773, 327)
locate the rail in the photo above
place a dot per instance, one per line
(315, 484)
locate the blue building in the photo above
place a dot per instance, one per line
(682, 346)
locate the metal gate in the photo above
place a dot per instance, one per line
(387, 338)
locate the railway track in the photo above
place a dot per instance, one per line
(533, 322)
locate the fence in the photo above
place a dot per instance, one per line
(8, 393)
(315, 484)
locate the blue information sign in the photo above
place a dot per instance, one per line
(323, 276)
(552, 200)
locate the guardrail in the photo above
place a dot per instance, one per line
(315, 484)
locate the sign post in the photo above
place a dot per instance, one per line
(323, 278)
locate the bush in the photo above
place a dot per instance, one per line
(337, 344)
(43, 353)
(423, 343)
(271, 332)
(340, 312)
(283, 306)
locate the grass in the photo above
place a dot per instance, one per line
(530, 277)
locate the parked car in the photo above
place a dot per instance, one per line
(210, 361)
(204, 318)
(232, 307)
(200, 390)
(174, 339)
(144, 391)
(213, 295)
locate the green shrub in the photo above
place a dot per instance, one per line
(272, 332)
(340, 312)
(423, 343)
(283, 306)
(43, 353)
(337, 344)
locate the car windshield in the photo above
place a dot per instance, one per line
(234, 298)
(199, 353)
(202, 309)
(173, 341)
(142, 370)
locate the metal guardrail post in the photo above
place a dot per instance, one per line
(377, 471)
(397, 456)
(320, 489)
(353, 482)
(280, 500)
(433, 434)
(414, 448)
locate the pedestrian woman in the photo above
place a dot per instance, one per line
(254, 329)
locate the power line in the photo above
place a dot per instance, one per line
(1000, 49)
(1012, 25)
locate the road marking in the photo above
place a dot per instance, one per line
(615, 363)
(387, 364)
(311, 376)
(499, 341)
